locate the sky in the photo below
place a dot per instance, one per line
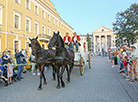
(85, 16)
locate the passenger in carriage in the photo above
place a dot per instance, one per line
(67, 40)
(76, 41)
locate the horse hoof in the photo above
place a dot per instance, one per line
(68, 82)
(63, 85)
(39, 88)
(45, 83)
(54, 79)
(58, 87)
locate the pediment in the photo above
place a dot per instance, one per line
(103, 29)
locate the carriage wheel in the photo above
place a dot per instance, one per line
(89, 61)
(81, 67)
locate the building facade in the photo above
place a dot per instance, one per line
(23, 19)
(103, 39)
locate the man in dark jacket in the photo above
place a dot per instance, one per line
(19, 60)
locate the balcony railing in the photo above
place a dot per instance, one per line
(44, 37)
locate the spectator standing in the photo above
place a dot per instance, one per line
(19, 60)
(112, 58)
(9, 70)
(115, 56)
(76, 41)
(4, 61)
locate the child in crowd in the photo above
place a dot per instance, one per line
(2, 77)
(125, 64)
(9, 70)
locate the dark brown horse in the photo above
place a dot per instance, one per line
(41, 58)
(64, 58)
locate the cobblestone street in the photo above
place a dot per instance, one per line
(101, 83)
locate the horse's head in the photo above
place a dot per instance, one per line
(54, 40)
(34, 45)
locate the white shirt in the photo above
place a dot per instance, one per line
(66, 41)
(124, 53)
(75, 38)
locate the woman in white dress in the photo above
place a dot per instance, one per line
(10, 71)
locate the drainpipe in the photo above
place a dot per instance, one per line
(6, 23)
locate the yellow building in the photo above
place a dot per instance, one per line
(23, 19)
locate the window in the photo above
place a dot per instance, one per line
(43, 14)
(16, 45)
(57, 22)
(1, 14)
(27, 4)
(36, 10)
(48, 17)
(49, 31)
(28, 24)
(43, 29)
(53, 20)
(16, 22)
(36, 28)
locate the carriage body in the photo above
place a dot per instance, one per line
(82, 58)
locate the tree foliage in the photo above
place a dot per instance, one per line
(89, 42)
(126, 23)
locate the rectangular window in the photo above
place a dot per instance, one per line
(57, 22)
(36, 27)
(16, 45)
(43, 14)
(27, 4)
(43, 29)
(48, 17)
(27, 25)
(16, 22)
(49, 31)
(36, 10)
(53, 20)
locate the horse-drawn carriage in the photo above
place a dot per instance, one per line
(60, 59)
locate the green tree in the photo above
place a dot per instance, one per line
(126, 23)
(89, 42)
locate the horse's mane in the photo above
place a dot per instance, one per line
(61, 41)
(37, 42)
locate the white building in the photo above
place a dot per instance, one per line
(103, 38)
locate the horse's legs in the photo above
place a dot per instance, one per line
(40, 85)
(58, 85)
(43, 75)
(61, 76)
(68, 74)
(54, 71)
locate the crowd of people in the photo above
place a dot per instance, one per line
(8, 65)
(126, 58)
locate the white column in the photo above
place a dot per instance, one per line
(100, 43)
(111, 41)
(94, 43)
(106, 43)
